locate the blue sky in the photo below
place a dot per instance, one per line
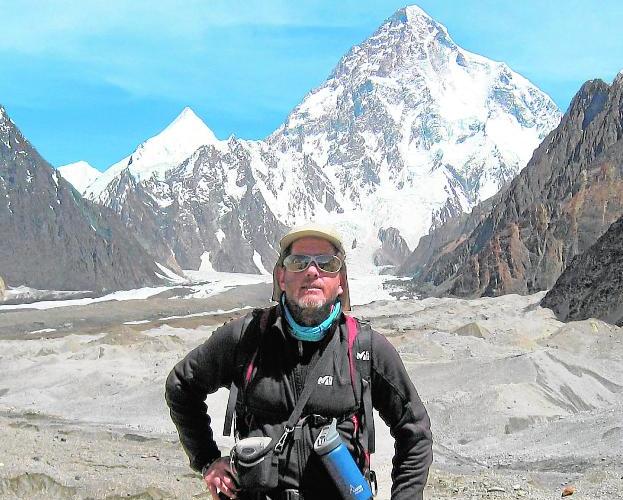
(90, 80)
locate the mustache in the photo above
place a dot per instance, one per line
(313, 284)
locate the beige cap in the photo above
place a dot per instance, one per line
(313, 230)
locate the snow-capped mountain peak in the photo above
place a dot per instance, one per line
(408, 130)
(412, 17)
(160, 153)
(411, 128)
(188, 123)
(412, 13)
(80, 174)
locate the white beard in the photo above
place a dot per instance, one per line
(310, 311)
(311, 302)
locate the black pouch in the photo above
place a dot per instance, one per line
(255, 464)
(255, 460)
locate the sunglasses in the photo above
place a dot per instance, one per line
(298, 263)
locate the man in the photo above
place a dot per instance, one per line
(311, 287)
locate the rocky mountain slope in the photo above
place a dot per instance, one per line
(408, 130)
(192, 201)
(413, 128)
(591, 286)
(52, 238)
(556, 208)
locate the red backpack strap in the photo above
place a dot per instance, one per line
(353, 330)
(250, 370)
(360, 363)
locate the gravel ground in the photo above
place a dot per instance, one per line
(521, 405)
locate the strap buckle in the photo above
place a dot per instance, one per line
(284, 438)
(291, 495)
(372, 482)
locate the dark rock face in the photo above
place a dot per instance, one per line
(591, 286)
(143, 217)
(207, 206)
(243, 223)
(444, 239)
(394, 249)
(52, 238)
(556, 208)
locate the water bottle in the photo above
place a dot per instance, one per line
(340, 464)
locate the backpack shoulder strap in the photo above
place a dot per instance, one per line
(246, 351)
(360, 356)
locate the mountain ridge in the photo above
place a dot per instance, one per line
(557, 207)
(176, 142)
(392, 139)
(54, 239)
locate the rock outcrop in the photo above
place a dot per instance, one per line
(205, 213)
(394, 249)
(591, 286)
(556, 208)
(143, 216)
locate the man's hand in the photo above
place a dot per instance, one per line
(219, 476)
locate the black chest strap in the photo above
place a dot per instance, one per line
(248, 362)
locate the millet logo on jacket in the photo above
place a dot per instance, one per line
(325, 380)
(363, 355)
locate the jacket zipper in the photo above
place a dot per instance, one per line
(298, 385)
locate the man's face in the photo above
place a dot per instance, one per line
(311, 288)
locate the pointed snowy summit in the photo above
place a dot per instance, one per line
(187, 122)
(410, 14)
(413, 19)
(409, 112)
(166, 150)
(80, 174)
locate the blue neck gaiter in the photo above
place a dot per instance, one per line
(310, 333)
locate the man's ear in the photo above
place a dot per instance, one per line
(340, 289)
(281, 278)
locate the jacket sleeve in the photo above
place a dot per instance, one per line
(400, 407)
(203, 371)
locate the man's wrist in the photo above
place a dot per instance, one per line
(208, 464)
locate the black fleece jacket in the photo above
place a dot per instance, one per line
(282, 363)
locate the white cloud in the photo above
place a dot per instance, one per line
(152, 48)
(32, 26)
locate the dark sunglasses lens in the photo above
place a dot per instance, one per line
(296, 263)
(328, 263)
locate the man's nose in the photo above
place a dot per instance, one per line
(312, 270)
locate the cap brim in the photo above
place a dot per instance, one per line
(288, 239)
